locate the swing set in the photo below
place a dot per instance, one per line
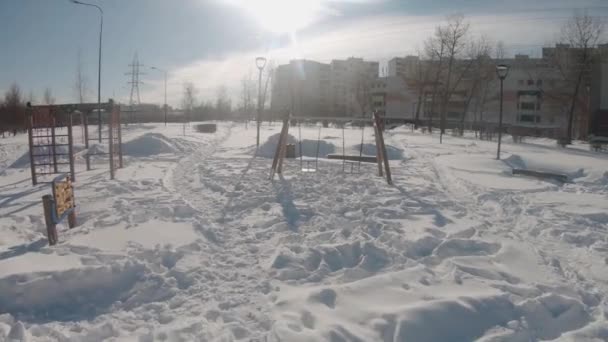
(350, 163)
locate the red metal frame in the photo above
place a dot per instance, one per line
(43, 123)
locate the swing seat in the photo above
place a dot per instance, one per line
(308, 167)
(353, 169)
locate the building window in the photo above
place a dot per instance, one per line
(520, 82)
(530, 82)
(539, 83)
(527, 106)
(529, 118)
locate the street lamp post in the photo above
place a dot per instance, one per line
(260, 62)
(99, 64)
(502, 71)
(165, 72)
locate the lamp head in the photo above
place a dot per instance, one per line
(502, 70)
(260, 62)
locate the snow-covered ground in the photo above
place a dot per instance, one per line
(193, 242)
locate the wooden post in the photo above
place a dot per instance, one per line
(387, 168)
(118, 125)
(111, 140)
(51, 228)
(378, 151)
(71, 148)
(53, 140)
(87, 157)
(30, 132)
(277, 153)
(72, 219)
(282, 149)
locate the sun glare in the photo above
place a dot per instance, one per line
(282, 16)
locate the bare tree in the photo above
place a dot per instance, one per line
(48, 97)
(420, 82)
(81, 82)
(12, 97)
(189, 99)
(269, 70)
(248, 93)
(435, 50)
(31, 98)
(223, 104)
(454, 36)
(500, 51)
(12, 115)
(478, 52)
(583, 33)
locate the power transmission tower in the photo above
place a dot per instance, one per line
(134, 82)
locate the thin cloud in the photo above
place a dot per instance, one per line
(376, 38)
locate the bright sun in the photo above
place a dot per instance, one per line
(282, 16)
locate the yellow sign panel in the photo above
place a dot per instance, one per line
(64, 196)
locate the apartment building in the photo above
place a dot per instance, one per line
(301, 87)
(535, 94)
(598, 101)
(393, 97)
(403, 66)
(537, 97)
(350, 81)
(309, 88)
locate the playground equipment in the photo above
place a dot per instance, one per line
(51, 141)
(308, 162)
(59, 205)
(381, 155)
(113, 138)
(352, 160)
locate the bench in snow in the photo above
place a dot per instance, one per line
(541, 174)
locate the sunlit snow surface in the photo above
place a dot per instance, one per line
(193, 242)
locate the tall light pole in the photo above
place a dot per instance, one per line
(260, 62)
(99, 64)
(502, 71)
(165, 72)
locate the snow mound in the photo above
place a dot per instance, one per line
(464, 170)
(579, 166)
(312, 264)
(309, 147)
(149, 144)
(24, 160)
(68, 295)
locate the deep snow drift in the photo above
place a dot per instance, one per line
(193, 242)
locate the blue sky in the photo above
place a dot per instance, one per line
(214, 42)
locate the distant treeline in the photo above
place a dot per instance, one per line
(12, 111)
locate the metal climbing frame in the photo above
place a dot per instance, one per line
(50, 139)
(113, 135)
